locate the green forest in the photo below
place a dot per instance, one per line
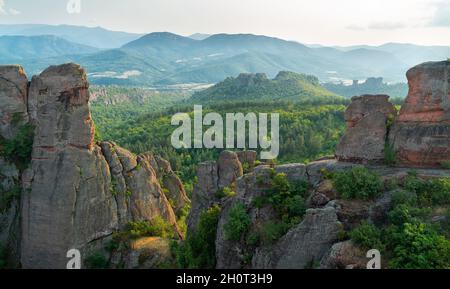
(311, 124)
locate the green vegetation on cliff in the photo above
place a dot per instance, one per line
(411, 240)
(199, 249)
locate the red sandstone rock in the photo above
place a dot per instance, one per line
(365, 138)
(421, 133)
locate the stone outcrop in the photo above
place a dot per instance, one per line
(213, 176)
(13, 99)
(344, 255)
(421, 133)
(247, 157)
(172, 185)
(13, 114)
(367, 128)
(148, 253)
(76, 193)
(304, 245)
(250, 187)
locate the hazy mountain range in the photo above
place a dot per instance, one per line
(164, 58)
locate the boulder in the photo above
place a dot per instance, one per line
(315, 170)
(148, 253)
(421, 134)
(304, 245)
(344, 255)
(367, 127)
(229, 169)
(247, 157)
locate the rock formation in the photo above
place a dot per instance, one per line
(303, 245)
(75, 193)
(367, 129)
(421, 133)
(172, 185)
(13, 114)
(13, 99)
(213, 176)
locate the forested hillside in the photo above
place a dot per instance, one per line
(310, 125)
(285, 86)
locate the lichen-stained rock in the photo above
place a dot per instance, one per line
(428, 99)
(10, 212)
(77, 193)
(247, 157)
(68, 203)
(213, 176)
(366, 105)
(367, 128)
(304, 245)
(171, 183)
(421, 134)
(344, 255)
(229, 168)
(315, 170)
(13, 99)
(118, 184)
(148, 253)
(147, 198)
(204, 192)
(231, 254)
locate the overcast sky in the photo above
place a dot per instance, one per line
(328, 22)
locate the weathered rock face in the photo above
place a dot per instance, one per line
(421, 133)
(13, 99)
(148, 253)
(344, 255)
(365, 138)
(77, 193)
(203, 196)
(229, 168)
(303, 245)
(213, 176)
(13, 114)
(174, 188)
(247, 157)
(232, 254)
(68, 202)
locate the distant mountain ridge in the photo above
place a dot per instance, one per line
(90, 36)
(164, 58)
(15, 49)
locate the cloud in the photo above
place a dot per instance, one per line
(441, 17)
(14, 12)
(377, 26)
(355, 27)
(386, 25)
(5, 11)
(2, 8)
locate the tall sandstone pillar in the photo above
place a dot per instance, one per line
(66, 201)
(421, 133)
